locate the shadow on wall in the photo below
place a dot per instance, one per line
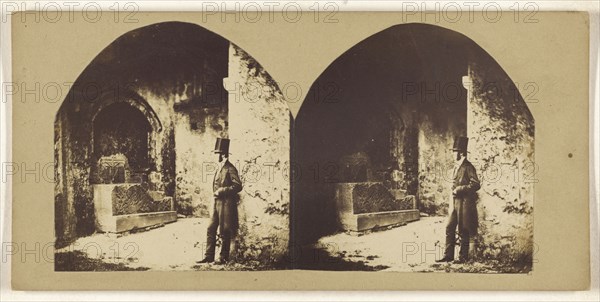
(387, 111)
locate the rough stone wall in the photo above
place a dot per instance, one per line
(501, 132)
(196, 104)
(442, 103)
(162, 148)
(65, 221)
(196, 164)
(436, 136)
(73, 167)
(259, 130)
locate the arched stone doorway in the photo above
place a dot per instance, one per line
(122, 129)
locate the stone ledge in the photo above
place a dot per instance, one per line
(374, 220)
(137, 221)
(368, 221)
(123, 223)
(350, 220)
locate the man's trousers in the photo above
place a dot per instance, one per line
(225, 218)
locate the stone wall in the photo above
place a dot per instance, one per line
(259, 130)
(193, 130)
(442, 103)
(195, 162)
(501, 132)
(438, 126)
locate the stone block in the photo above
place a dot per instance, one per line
(398, 193)
(123, 207)
(156, 195)
(125, 223)
(369, 221)
(112, 169)
(363, 206)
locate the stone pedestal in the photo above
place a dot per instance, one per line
(127, 206)
(367, 205)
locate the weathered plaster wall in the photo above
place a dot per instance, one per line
(501, 132)
(441, 119)
(195, 127)
(259, 130)
(64, 211)
(163, 179)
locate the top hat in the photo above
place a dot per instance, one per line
(460, 143)
(222, 146)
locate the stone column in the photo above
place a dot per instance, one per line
(259, 129)
(501, 145)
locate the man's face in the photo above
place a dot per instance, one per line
(220, 157)
(457, 155)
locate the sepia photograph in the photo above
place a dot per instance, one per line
(305, 149)
(160, 150)
(174, 136)
(419, 152)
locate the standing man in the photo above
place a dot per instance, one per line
(226, 186)
(464, 212)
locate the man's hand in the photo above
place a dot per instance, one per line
(219, 192)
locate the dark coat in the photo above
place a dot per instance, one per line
(227, 182)
(226, 186)
(466, 185)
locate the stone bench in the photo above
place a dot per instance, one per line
(366, 205)
(128, 206)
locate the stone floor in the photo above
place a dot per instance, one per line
(177, 246)
(412, 247)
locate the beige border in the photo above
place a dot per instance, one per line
(553, 53)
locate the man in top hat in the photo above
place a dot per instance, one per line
(464, 213)
(226, 186)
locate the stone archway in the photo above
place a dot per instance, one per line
(115, 138)
(437, 81)
(120, 129)
(163, 71)
(188, 86)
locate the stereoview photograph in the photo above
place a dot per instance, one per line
(175, 150)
